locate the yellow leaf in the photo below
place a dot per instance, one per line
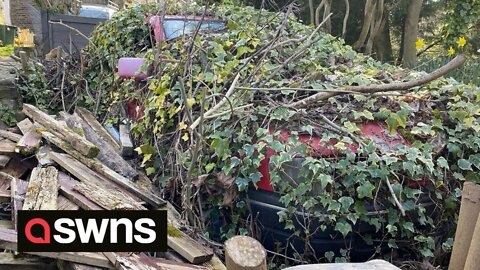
(185, 137)
(228, 43)
(182, 126)
(190, 102)
(469, 121)
(461, 41)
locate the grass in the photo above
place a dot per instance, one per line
(467, 73)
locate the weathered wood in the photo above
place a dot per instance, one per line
(18, 190)
(245, 253)
(84, 174)
(125, 141)
(107, 155)
(7, 147)
(11, 261)
(215, 264)
(42, 191)
(106, 172)
(18, 167)
(64, 265)
(105, 198)
(10, 135)
(78, 142)
(66, 189)
(31, 139)
(144, 262)
(5, 183)
(4, 159)
(190, 249)
(8, 240)
(370, 265)
(6, 224)
(65, 204)
(43, 157)
(97, 127)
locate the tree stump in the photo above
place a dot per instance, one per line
(245, 253)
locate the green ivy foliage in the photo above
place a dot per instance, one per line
(222, 155)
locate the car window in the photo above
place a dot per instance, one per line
(94, 13)
(177, 27)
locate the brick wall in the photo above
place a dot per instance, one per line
(24, 14)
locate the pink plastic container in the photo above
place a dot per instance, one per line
(129, 67)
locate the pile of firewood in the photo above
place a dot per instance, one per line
(71, 162)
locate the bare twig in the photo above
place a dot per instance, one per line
(397, 202)
(458, 61)
(71, 28)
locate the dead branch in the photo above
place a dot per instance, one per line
(455, 63)
(71, 28)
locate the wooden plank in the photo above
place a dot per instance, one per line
(108, 155)
(64, 265)
(78, 142)
(4, 159)
(126, 141)
(6, 224)
(42, 191)
(65, 204)
(7, 147)
(10, 135)
(43, 157)
(66, 189)
(84, 174)
(31, 139)
(18, 167)
(370, 265)
(8, 240)
(97, 166)
(22, 262)
(18, 190)
(144, 262)
(25, 125)
(190, 249)
(5, 182)
(97, 127)
(105, 198)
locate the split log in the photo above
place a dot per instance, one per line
(7, 147)
(245, 253)
(84, 174)
(42, 191)
(473, 256)
(104, 198)
(78, 142)
(10, 135)
(455, 63)
(125, 141)
(143, 262)
(31, 139)
(467, 218)
(107, 155)
(97, 127)
(106, 172)
(66, 189)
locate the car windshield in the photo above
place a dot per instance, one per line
(178, 27)
(94, 12)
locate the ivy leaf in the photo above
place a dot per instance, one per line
(325, 180)
(329, 255)
(346, 202)
(185, 137)
(255, 177)
(365, 190)
(242, 183)
(182, 125)
(351, 127)
(220, 146)
(409, 227)
(464, 164)
(150, 170)
(343, 227)
(209, 167)
(190, 102)
(442, 162)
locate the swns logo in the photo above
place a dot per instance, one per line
(92, 231)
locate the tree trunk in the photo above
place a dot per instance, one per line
(345, 19)
(375, 27)
(312, 12)
(410, 33)
(382, 42)
(328, 24)
(366, 24)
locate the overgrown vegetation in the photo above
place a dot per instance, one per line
(270, 60)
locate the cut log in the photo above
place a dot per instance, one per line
(10, 135)
(7, 147)
(84, 174)
(78, 142)
(97, 127)
(126, 141)
(66, 189)
(245, 253)
(467, 218)
(144, 262)
(31, 139)
(107, 155)
(106, 172)
(104, 198)
(42, 191)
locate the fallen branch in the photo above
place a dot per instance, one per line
(455, 63)
(219, 105)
